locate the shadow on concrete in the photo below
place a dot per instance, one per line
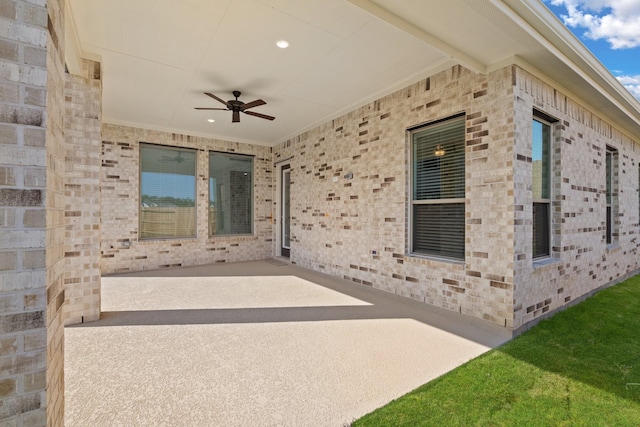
(382, 305)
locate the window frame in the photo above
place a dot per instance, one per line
(611, 194)
(168, 148)
(412, 202)
(548, 121)
(211, 230)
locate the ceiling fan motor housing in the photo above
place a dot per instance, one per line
(235, 105)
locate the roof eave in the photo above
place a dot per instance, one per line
(535, 18)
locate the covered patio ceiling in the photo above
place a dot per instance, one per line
(159, 56)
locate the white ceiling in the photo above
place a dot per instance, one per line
(159, 56)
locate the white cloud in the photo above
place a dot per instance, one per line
(632, 83)
(617, 21)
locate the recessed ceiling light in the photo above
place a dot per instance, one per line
(210, 120)
(282, 44)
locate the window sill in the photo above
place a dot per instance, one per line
(165, 239)
(612, 247)
(543, 262)
(233, 237)
(436, 258)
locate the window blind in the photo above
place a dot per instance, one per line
(438, 189)
(438, 159)
(438, 229)
(541, 235)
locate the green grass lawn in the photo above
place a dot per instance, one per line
(579, 368)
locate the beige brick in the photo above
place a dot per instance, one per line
(9, 92)
(35, 15)
(18, 281)
(22, 156)
(35, 418)
(8, 9)
(8, 303)
(9, 50)
(35, 177)
(7, 387)
(33, 96)
(8, 260)
(8, 134)
(19, 404)
(33, 259)
(35, 56)
(33, 301)
(8, 346)
(34, 137)
(7, 218)
(21, 364)
(7, 176)
(35, 341)
(34, 218)
(34, 381)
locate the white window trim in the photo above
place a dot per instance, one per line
(253, 195)
(168, 147)
(536, 117)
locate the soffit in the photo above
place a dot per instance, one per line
(159, 56)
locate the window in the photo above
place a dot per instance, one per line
(612, 196)
(438, 189)
(541, 187)
(167, 192)
(230, 194)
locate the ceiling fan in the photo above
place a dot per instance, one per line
(237, 107)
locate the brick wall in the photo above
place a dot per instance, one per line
(337, 223)
(55, 206)
(31, 223)
(349, 199)
(582, 261)
(83, 115)
(121, 248)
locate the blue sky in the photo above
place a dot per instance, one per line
(611, 30)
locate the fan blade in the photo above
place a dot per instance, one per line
(217, 99)
(262, 116)
(252, 104)
(236, 117)
(206, 108)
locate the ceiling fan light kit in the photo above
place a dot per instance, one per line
(236, 107)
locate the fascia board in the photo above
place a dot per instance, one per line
(547, 30)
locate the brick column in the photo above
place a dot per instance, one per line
(55, 206)
(83, 98)
(31, 203)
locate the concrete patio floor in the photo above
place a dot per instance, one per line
(259, 343)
